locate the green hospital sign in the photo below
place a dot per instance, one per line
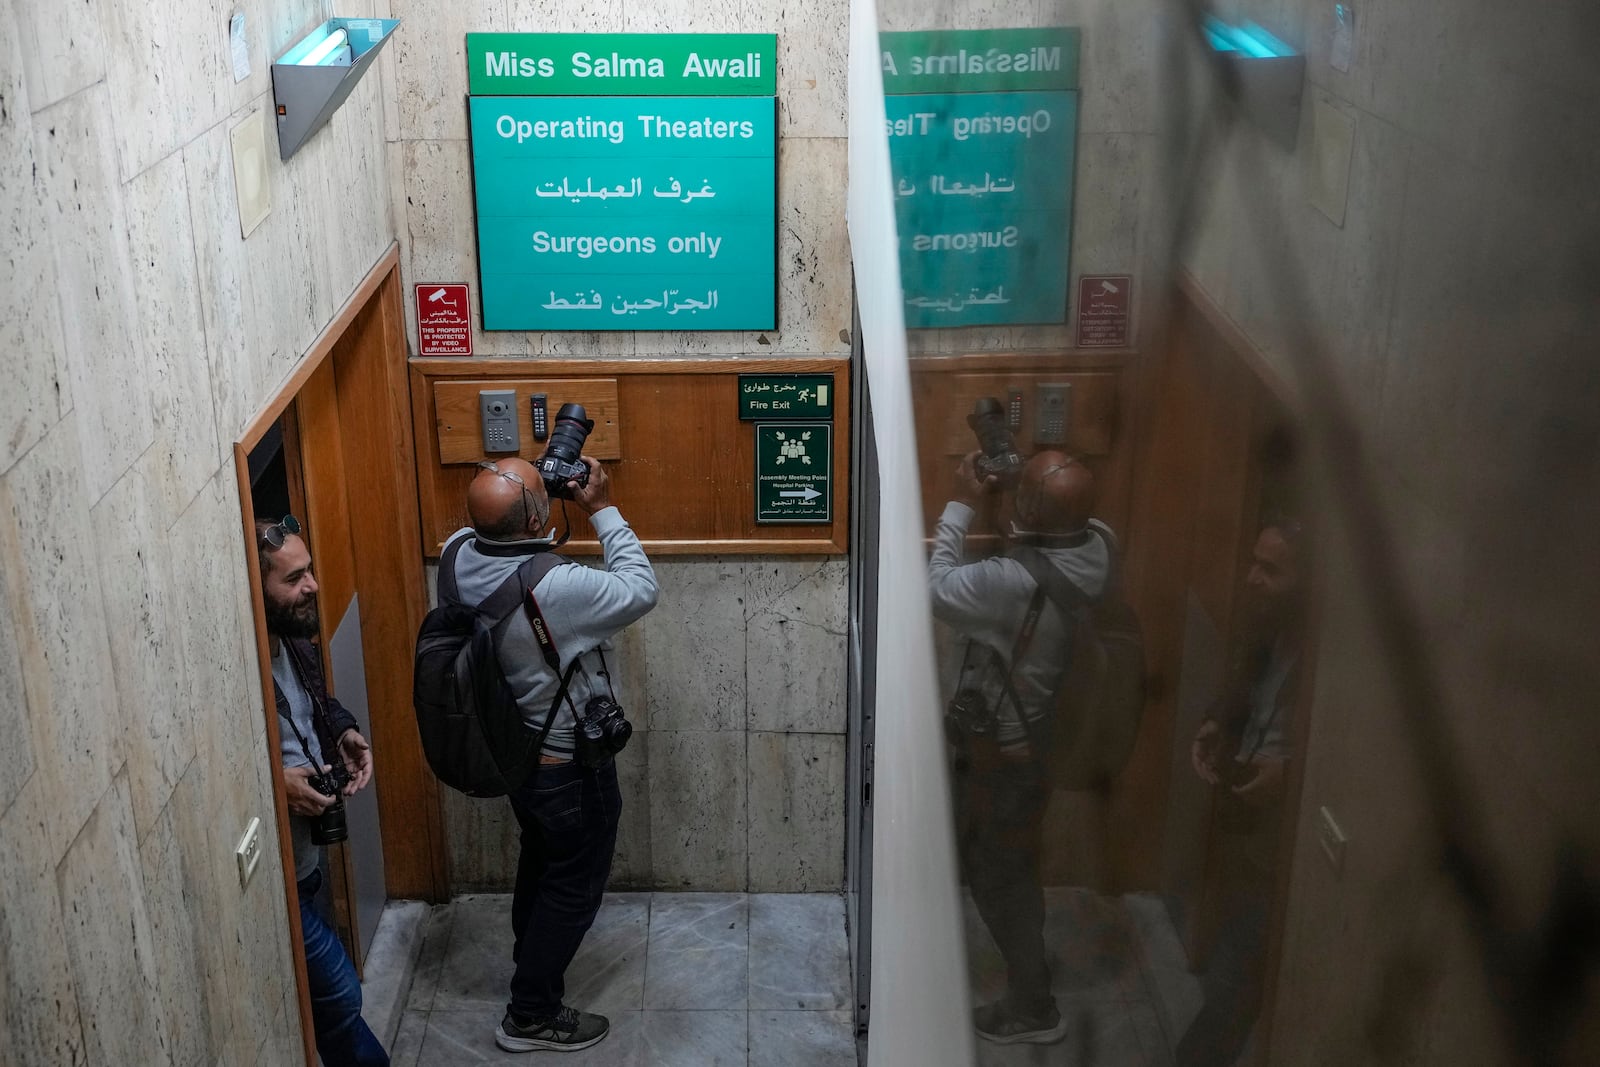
(625, 212)
(794, 472)
(982, 134)
(622, 64)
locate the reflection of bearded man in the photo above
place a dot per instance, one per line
(291, 618)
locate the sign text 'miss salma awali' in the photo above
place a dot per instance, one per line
(625, 181)
(982, 128)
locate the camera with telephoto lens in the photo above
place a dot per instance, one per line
(330, 827)
(562, 461)
(968, 715)
(602, 732)
(1000, 458)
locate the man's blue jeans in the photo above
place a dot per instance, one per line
(569, 817)
(343, 1037)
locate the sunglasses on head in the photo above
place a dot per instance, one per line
(273, 536)
(515, 479)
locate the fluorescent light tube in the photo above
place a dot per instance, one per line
(326, 49)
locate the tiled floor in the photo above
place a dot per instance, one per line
(698, 979)
(1118, 975)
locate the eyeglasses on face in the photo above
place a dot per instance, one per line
(528, 507)
(273, 536)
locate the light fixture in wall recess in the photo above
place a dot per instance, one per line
(1271, 75)
(313, 78)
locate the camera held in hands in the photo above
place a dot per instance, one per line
(968, 715)
(1000, 458)
(602, 732)
(562, 461)
(330, 827)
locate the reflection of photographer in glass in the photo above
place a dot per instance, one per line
(1242, 751)
(325, 759)
(999, 721)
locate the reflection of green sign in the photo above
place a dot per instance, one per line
(983, 202)
(794, 472)
(785, 396)
(622, 64)
(977, 61)
(649, 213)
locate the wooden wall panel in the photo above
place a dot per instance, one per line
(685, 471)
(456, 417)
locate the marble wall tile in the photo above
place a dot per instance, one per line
(136, 581)
(1107, 208)
(631, 863)
(441, 243)
(180, 896)
(694, 647)
(38, 1002)
(223, 276)
(431, 64)
(697, 809)
(717, 16)
(63, 50)
(814, 277)
(172, 329)
(484, 843)
(797, 802)
(582, 16)
(1118, 72)
(16, 756)
(30, 327)
(108, 935)
(216, 693)
(110, 374)
(164, 101)
(795, 615)
(57, 611)
(813, 55)
(272, 28)
(357, 206)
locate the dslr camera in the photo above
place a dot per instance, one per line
(330, 827)
(602, 732)
(1000, 458)
(968, 715)
(562, 461)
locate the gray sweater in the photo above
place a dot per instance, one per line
(986, 603)
(584, 607)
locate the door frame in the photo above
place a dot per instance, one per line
(366, 342)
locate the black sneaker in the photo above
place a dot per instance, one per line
(1005, 1023)
(567, 1031)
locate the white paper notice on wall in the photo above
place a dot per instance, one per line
(1344, 37)
(250, 180)
(1333, 138)
(238, 47)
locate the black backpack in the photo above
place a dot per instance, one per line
(472, 731)
(1100, 700)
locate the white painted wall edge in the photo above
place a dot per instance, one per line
(921, 1010)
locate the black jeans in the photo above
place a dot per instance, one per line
(568, 816)
(1000, 808)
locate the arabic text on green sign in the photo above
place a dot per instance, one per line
(976, 61)
(794, 473)
(622, 64)
(785, 396)
(983, 202)
(626, 213)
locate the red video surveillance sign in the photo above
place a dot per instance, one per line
(443, 328)
(1105, 304)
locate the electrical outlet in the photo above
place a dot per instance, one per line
(1331, 837)
(247, 853)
